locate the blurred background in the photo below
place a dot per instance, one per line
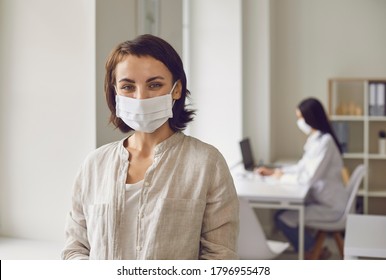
(249, 63)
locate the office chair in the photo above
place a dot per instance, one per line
(337, 227)
(252, 242)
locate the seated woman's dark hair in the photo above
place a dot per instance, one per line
(315, 116)
(149, 45)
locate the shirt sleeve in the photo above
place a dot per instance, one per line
(76, 241)
(290, 173)
(221, 218)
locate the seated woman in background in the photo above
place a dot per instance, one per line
(320, 167)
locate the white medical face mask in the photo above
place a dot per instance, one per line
(145, 115)
(303, 126)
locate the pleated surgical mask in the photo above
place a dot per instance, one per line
(303, 126)
(145, 115)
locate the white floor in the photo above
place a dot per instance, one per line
(290, 254)
(23, 249)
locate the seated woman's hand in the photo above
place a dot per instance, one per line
(277, 173)
(264, 171)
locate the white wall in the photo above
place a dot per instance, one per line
(47, 116)
(115, 22)
(257, 77)
(215, 79)
(314, 40)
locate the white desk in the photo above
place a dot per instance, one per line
(273, 195)
(365, 237)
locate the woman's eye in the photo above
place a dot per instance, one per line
(127, 88)
(155, 85)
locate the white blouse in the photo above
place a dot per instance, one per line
(128, 229)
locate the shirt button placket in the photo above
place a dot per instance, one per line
(141, 215)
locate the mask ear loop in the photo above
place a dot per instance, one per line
(171, 92)
(117, 114)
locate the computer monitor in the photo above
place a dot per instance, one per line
(247, 155)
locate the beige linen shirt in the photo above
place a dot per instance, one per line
(188, 207)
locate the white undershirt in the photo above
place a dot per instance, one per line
(128, 230)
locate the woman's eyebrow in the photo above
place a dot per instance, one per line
(126, 80)
(155, 78)
(147, 81)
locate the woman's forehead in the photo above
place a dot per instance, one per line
(132, 65)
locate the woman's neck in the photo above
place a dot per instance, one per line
(147, 141)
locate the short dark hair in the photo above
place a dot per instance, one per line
(315, 116)
(148, 45)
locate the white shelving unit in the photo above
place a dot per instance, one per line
(348, 103)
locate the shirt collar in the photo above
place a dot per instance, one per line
(169, 142)
(312, 138)
(314, 135)
(160, 148)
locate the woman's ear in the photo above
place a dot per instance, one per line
(176, 94)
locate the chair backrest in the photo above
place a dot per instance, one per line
(252, 243)
(353, 187)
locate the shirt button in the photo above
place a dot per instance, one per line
(147, 184)
(139, 248)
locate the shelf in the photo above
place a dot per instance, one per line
(377, 192)
(361, 192)
(347, 118)
(349, 111)
(377, 156)
(354, 156)
(377, 118)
